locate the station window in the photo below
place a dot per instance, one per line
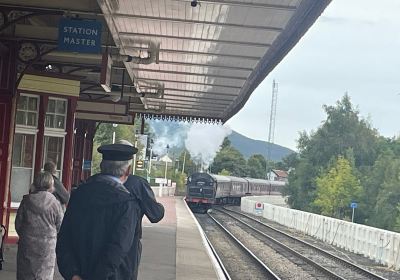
(56, 113)
(53, 151)
(54, 133)
(27, 111)
(24, 147)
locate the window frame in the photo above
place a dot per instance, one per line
(55, 129)
(37, 97)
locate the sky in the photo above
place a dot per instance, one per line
(353, 47)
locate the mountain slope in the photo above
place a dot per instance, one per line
(175, 133)
(248, 147)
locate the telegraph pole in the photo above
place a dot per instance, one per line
(184, 161)
(271, 131)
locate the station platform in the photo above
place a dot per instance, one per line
(172, 248)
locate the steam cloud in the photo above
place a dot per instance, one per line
(164, 137)
(203, 142)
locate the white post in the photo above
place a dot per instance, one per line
(113, 136)
(151, 154)
(166, 168)
(184, 161)
(134, 161)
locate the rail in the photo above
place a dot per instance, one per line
(220, 263)
(353, 266)
(261, 264)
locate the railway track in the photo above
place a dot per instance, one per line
(319, 263)
(238, 261)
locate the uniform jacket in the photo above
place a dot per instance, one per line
(141, 189)
(153, 210)
(98, 232)
(60, 192)
(38, 219)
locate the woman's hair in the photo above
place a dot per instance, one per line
(43, 181)
(50, 167)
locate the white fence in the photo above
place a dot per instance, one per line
(163, 191)
(379, 245)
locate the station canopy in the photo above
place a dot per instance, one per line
(176, 59)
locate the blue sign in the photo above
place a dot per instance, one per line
(353, 205)
(82, 36)
(87, 165)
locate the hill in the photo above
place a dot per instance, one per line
(175, 133)
(248, 147)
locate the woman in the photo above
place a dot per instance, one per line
(59, 190)
(38, 220)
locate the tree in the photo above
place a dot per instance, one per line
(230, 159)
(104, 135)
(337, 188)
(342, 133)
(190, 166)
(290, 161)
(386, 189)
(256, 165)
(343, 129)
(224, 172)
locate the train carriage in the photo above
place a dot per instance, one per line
(239, 188)
(205, 190)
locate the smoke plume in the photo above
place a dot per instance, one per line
(164, 136)
(203, 142)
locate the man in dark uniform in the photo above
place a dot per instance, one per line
(153, 210)
(149, 206)
(97, 237)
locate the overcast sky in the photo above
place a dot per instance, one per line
(353, 47)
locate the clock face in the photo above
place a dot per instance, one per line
(27, 52)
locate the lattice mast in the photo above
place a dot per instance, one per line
(272, 117)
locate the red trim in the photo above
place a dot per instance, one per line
(201, 200)
(7, 113)
(69, 143)
(12, 240)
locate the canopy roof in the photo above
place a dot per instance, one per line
(198, 63)
(212, 56)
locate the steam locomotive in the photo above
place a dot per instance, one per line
(203, 190)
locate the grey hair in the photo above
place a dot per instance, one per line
(125, 142)
(43, 181)
(114, 168)
(50, 167)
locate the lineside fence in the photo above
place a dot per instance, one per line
(163, 191)
(379, 245)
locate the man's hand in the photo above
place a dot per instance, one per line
(76, 277)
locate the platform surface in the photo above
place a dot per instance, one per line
(172, 248)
